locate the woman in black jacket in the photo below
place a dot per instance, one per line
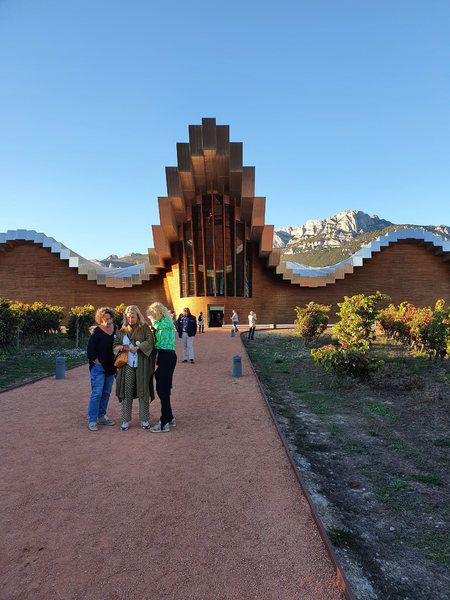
(101, 366)
(187, 328)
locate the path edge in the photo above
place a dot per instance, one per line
(341, 577)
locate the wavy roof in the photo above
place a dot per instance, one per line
(296, 273)
(126, 277)
(307, 276)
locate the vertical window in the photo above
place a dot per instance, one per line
(198, 245)
(248, 270)
(182, 271)
(229, 248)
(189, 258)
(218, 244)
(240, 245)
(209, 244)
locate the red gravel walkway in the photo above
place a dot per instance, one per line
(211, 510)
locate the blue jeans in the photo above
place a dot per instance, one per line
(101, 386)
(235, 326)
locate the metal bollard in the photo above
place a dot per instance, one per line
(237, 366)
(232, 333)
(60, 368)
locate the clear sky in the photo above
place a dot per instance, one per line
(340, 105)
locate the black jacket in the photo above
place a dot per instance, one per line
(191, 328)
(100, 347)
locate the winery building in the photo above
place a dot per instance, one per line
(213, 252)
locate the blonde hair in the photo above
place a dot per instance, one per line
(159, 310)
(132, 309)
(101, 312)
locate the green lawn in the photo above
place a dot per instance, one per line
(34, 360)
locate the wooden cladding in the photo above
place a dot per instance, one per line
(214, 260)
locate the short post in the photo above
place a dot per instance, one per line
(237, 366)
(232, 333)
(60, 368)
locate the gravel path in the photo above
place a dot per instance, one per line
(211, 510)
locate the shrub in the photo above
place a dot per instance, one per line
(421, 327)
(397, 321)
(439, 330)
(350, 362)
(386, 320)
(11, 322)
(358, 314)
(354, 332)
(41, 319)
(84, 316)
(312, 321)
(119, 314)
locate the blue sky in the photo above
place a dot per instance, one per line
(340, 105)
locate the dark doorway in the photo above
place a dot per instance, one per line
(215, 316)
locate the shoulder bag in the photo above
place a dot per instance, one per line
(122, 358)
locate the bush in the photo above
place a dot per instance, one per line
(421, 327)
(41, 319)
(119, 315)
(84, 316)
(342, 362)
(354, 332)
(312, 321)
(439, 330)
(358, 314)
(11, 322)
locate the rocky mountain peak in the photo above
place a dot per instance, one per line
(327, 242)
(341, 227)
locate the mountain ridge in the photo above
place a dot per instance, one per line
(329, 241)
(317, 243)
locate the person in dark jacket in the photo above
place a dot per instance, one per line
(187, 328)
(101, 367)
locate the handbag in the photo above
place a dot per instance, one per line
(122, 358)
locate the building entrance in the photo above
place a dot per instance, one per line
(215, 316)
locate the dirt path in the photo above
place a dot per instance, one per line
(211, 510)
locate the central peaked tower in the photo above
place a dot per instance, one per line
(210, 218)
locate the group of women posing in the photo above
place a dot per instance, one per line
(145, 347)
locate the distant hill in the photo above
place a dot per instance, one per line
(316, 243)
(126, 261)
(328, 242)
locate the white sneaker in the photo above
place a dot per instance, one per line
(172, 423)
(124, 426)
(145, 425)
(158, 429)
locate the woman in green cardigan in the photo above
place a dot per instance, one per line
(166, 361)
(134, 378)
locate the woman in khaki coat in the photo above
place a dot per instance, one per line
(135, 378)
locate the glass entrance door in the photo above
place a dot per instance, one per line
(215, 314)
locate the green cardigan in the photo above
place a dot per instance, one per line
(146, 362)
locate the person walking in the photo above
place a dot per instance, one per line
(187, 328)
(234, 320)
(101, 367)
(201, 322)
(166, 359)
(133, 379)
(251, 324)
